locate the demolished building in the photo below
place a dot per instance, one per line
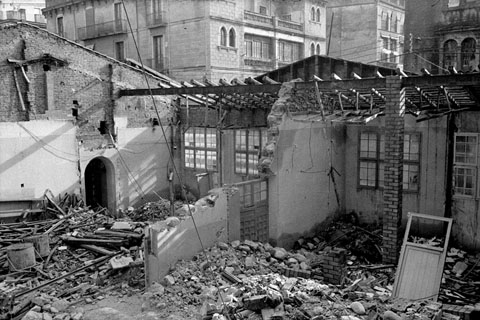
(64, 128)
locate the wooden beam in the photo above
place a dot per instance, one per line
(452, 80)
(239, 89)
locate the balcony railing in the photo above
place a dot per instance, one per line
(290, 25)
(272, 21)
(156, 18)
(102, 29)
(256, 17)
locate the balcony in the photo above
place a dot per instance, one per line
(284, 24)
(155, 19)
(102, 29)
(257, 17)
(274, 22)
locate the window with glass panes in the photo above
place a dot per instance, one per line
(248, 144)
(371, 165)
(201, 149)
(465, 164)
(257, 47)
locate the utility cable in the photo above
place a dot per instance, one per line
(170, 152)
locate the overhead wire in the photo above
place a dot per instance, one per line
(170, 152)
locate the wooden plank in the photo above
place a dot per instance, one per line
(240, 89)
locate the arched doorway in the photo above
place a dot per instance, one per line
(99, 184)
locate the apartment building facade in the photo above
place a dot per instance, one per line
(191, 39)
(26, 10)
(367, 31)
(448, 39)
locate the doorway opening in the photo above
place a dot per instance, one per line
(100, 184)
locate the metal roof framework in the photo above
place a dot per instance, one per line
(356, 100)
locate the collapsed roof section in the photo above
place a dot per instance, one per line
(356, 93)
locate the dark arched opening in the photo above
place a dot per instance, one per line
(97, 193)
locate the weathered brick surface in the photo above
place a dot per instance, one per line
(392, 197)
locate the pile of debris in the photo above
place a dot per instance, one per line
(251, 280)
(461, 275)
(67, 258)
(364, 242)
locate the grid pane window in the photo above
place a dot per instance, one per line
(248, 144)
(464, 180)
(372, 160)
(465, 164)
(410, 176)
(368, 171)
(201, 149)
(466, 149)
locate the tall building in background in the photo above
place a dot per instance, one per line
(443, 34)
(191, 39)
(26, 10)
(368, 31)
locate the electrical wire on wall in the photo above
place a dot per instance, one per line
(170, 150)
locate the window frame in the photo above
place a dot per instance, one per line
(223, 36)
(232, 38)
(60, 26)
(120, 54)
(379, 161)
(248, 152)
(199, 147)
(466, 166)
(257, 48)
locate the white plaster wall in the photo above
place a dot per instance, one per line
(301, 194)
(141, 165)
(40, 154)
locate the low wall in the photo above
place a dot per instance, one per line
(165, 244)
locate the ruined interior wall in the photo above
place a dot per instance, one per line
(301, 193)
(466, 211)
(167, 243)
(297, 159)
(430, 199)
(35, 156)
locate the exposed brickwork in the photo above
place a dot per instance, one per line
(331, 264)
(74, 77)
(392, 194)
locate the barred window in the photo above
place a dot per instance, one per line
(201, 149)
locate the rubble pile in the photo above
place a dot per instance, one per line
(362, 242)
(81, 254)
(251, 280)
(461, 276)
(151, 211)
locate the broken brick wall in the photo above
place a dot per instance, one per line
(74, 77)
(301, 152)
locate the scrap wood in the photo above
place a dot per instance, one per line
(53, 202)
(96, 249)
(122, 234)
(92, 241)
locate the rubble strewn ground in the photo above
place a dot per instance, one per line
(237, 280)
